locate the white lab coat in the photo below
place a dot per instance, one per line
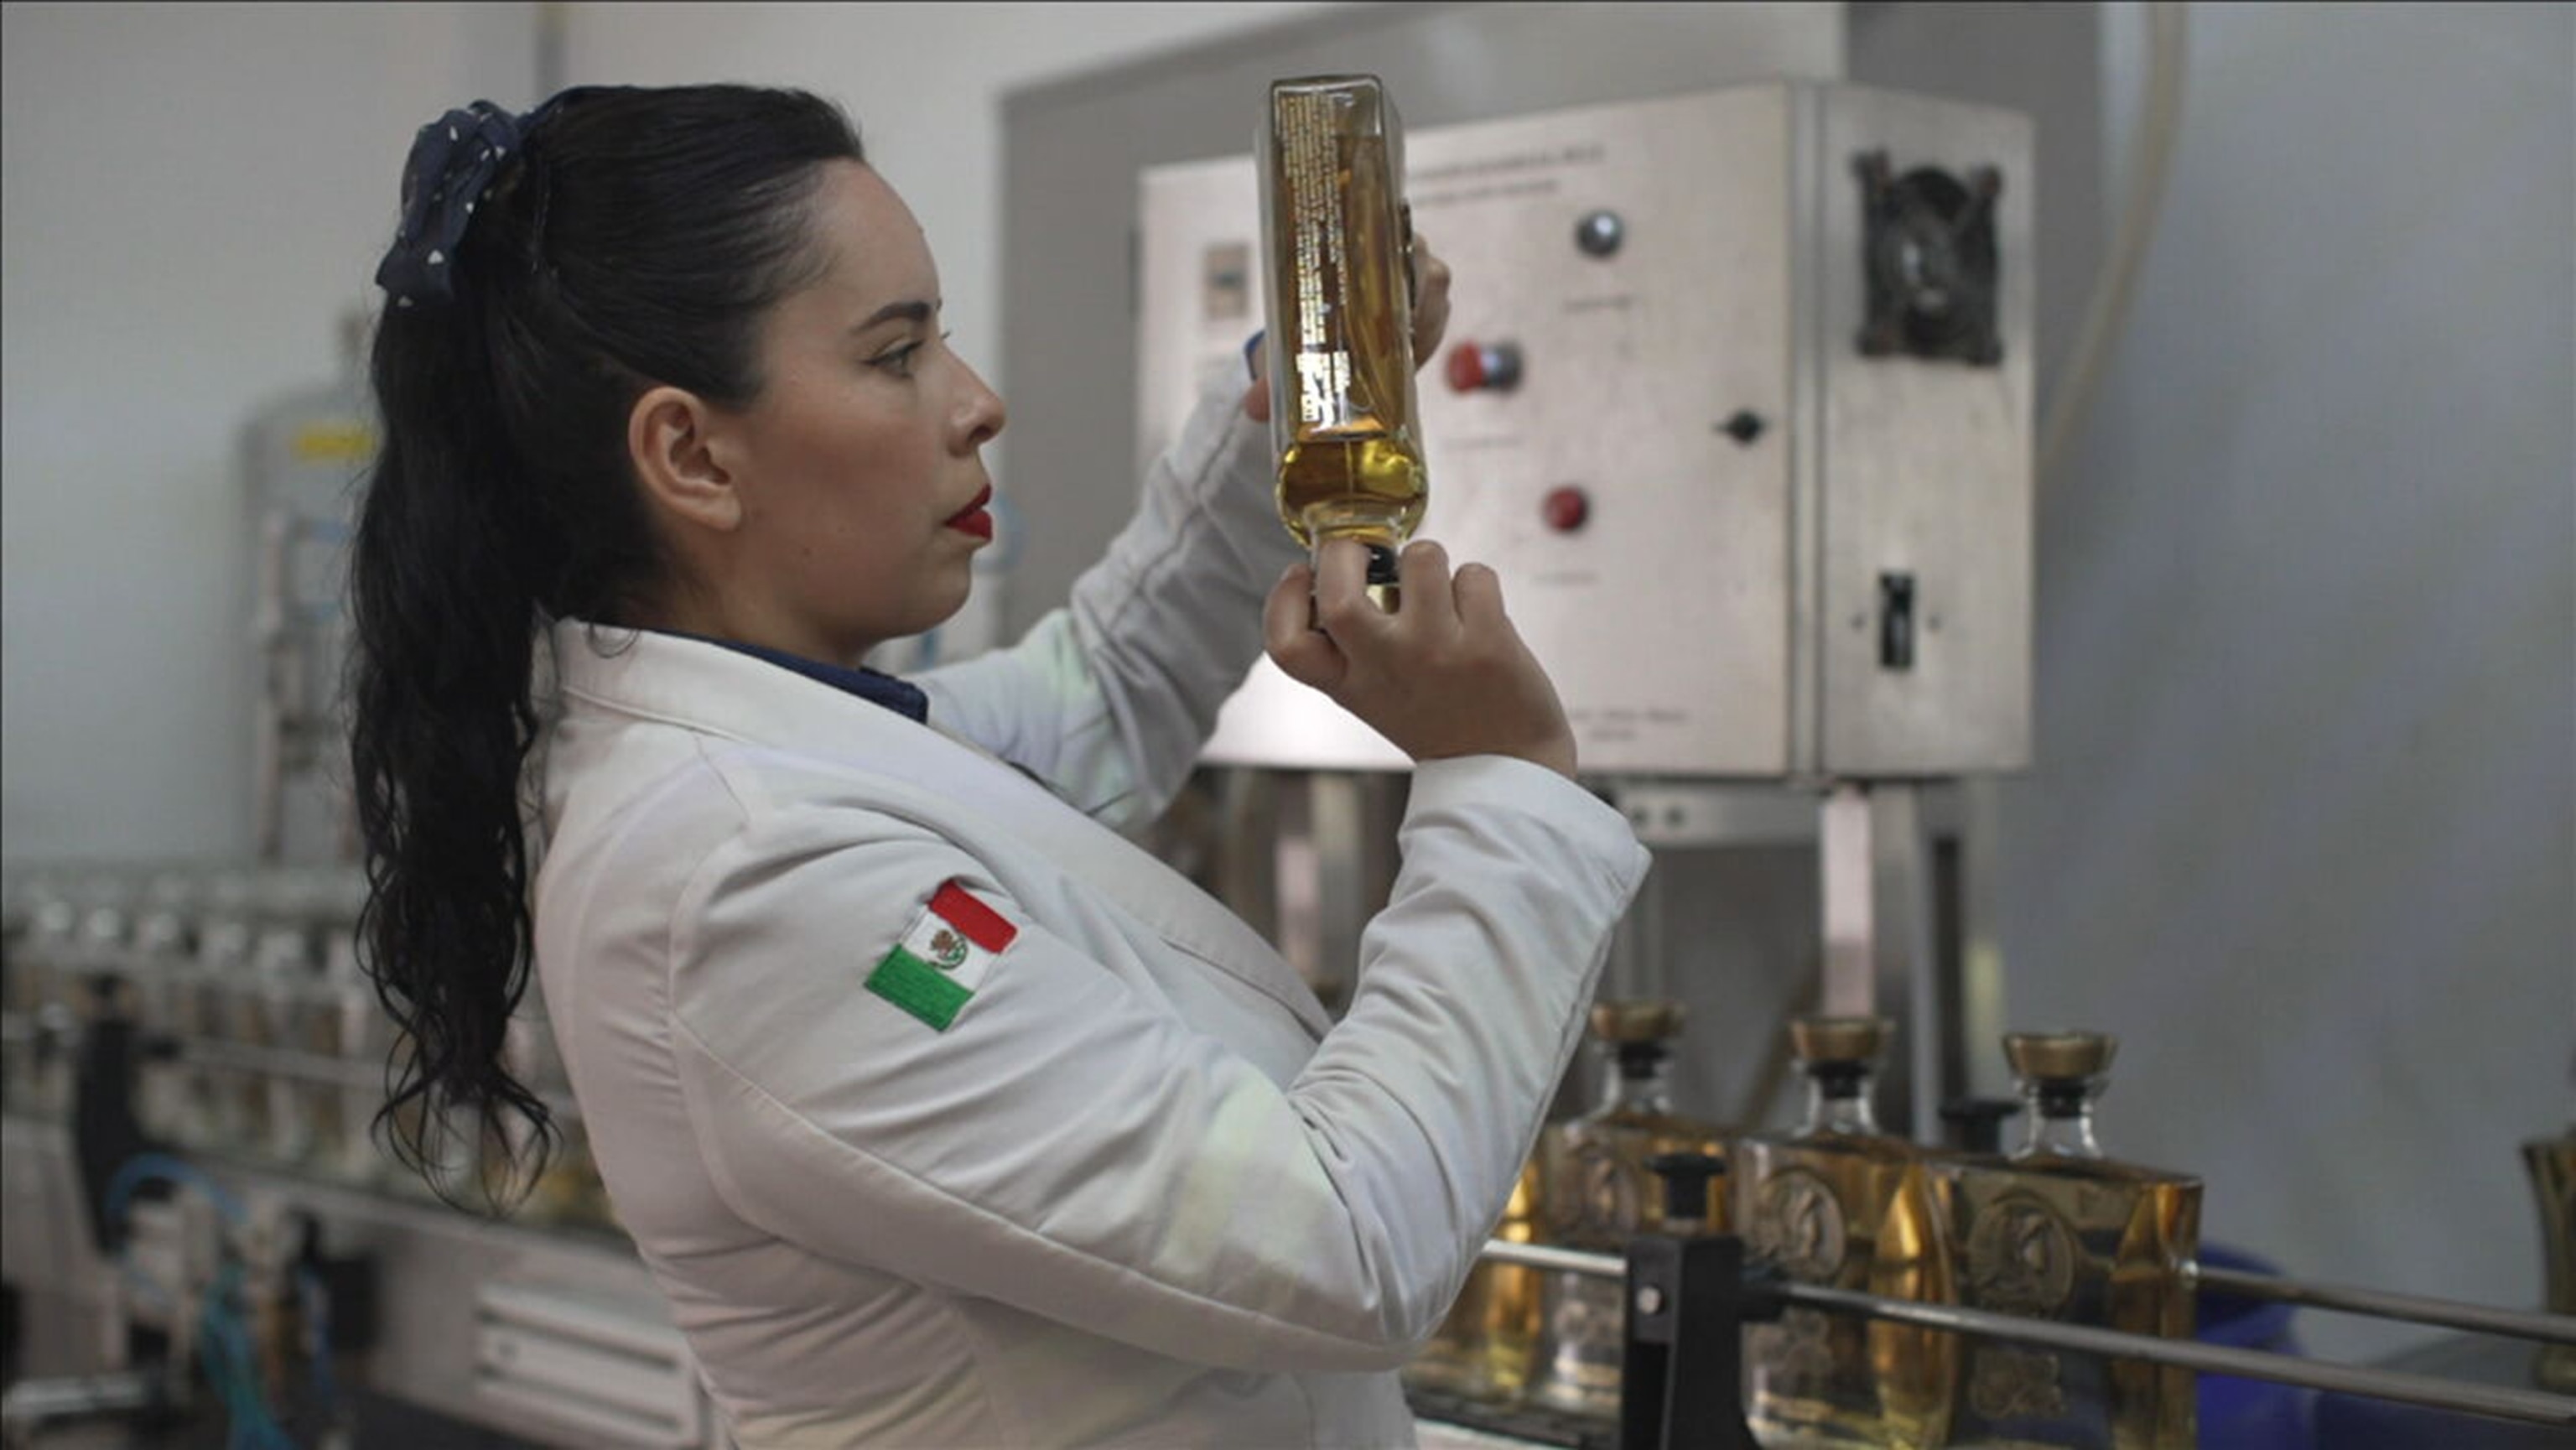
(1142, 1190)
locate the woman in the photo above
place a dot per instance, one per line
(941, 1113)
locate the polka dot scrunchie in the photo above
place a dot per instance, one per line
(452, 162)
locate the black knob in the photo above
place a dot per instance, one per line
(1744, 427)
(1686, 1177)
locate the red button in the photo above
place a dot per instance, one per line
(1565, 509)
(1490, 366)
(1466, 367)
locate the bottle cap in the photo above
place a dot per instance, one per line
(1642, 1021)
(2060, 1056)
(1686, 1177)
(1381, 568)
(1839, 1039)
(1976, 1125)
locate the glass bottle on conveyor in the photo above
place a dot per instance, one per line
(2059, 1231)
(1597, 1191)
(1839, 1203)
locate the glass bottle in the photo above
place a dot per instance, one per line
(1841, 1204)
(1337, 246)
(1597, 1191)
(1482, 1348)
(2058, 1231)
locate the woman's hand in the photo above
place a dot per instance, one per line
(1430, 324)
(1446, 675)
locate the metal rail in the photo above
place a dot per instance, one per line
(1571, 1261)
(286, 1062)
(2385, 1384)
(2419, 1389)
(2521, 1324)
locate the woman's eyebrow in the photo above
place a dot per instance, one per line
(909, 311)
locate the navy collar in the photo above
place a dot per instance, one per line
(874, 686)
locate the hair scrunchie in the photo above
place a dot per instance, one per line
(453, 160)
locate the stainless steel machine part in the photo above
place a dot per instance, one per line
(1877, 862)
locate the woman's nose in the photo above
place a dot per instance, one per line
(983, 415)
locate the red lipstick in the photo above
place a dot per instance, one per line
(974, 519)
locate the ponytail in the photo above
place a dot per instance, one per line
(634, 238)
(442, 725)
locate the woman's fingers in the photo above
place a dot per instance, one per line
(1343, 608)
(1428, 611)
(1430, 300)
(1479, 594)
(1288, 634)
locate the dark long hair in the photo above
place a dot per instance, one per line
(635, 239)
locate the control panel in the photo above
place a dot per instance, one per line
(1735, 396)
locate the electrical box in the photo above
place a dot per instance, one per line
(1735, 395)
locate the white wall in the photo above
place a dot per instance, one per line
(2303, 825)
(192, 194)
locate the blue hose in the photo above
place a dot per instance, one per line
(224, 1347)
(144, 1167)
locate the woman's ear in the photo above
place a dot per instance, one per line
(669, 439)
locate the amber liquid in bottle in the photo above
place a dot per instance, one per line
(2057, 1231)
(1336, 244)
(1841, 1204)
(1598, 1192)
(1482, 1348)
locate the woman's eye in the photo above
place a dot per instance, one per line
(899, 361)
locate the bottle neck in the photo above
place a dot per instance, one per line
(1838, 1099)
(2061, 1120)
(1636, 1081)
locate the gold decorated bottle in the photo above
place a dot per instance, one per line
(1597, 1190)
(2058, 1231)
(1482, 1348)
(1336, 246)
(1841, 1204)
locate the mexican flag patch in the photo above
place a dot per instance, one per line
(933, 972)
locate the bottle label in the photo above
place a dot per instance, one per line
(334, 443)
(1307, 152)
(2015, 1384)
(1798, 1224)
(1593, 1199)
(1800, 1360)
(2021, 1258)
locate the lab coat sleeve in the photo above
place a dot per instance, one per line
(1109, 699)
(1069, 1147)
